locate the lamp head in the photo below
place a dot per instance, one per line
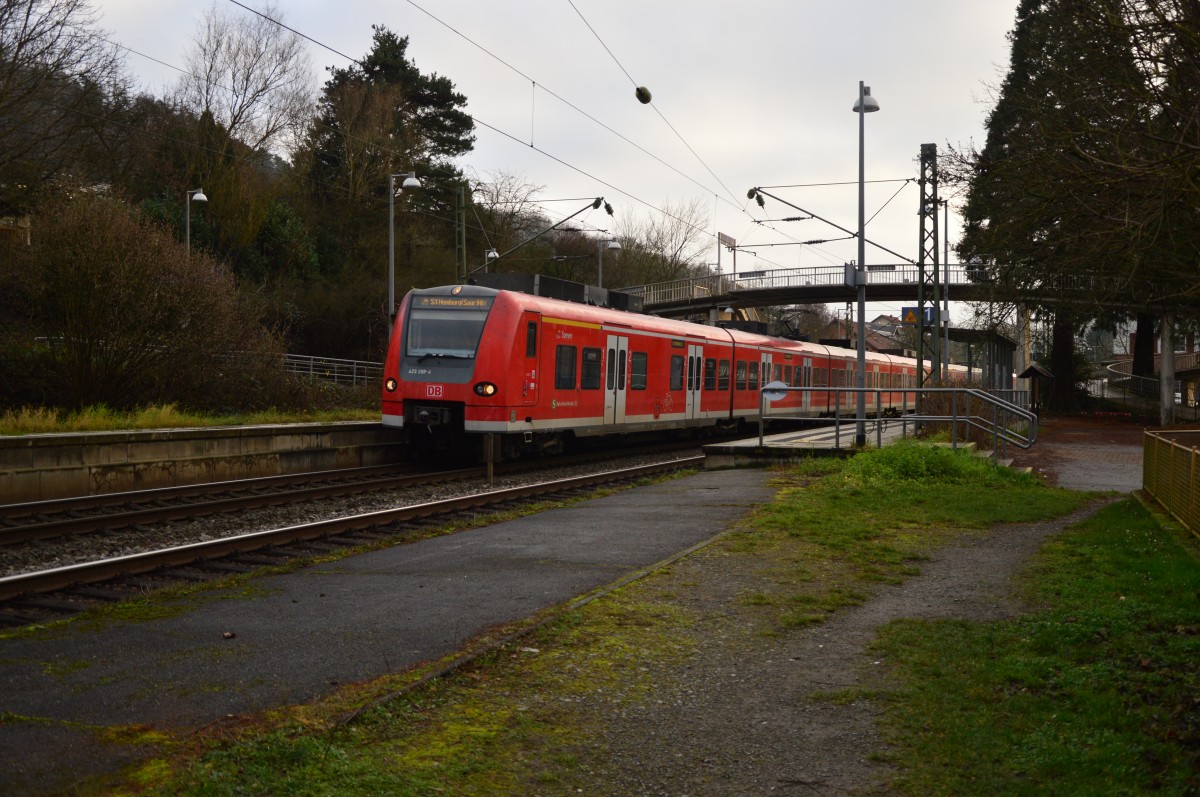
(492, 254)
(869, 105)
(410, 180)
(198, 195)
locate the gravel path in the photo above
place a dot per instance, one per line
(752, 716)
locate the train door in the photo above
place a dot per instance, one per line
(616, 367)
(806, 396)
(695, 364)
(529, 368)
(765, 377)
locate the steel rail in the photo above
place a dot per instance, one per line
(84, 503)
(12, 587)
(159, 514)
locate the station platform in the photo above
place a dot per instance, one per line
(829, 440)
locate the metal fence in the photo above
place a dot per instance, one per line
(1171, 473)
(345, 372)
(1004, 422)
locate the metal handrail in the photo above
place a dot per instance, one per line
(333, 368)
(999, 425)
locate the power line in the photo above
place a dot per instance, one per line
(652, 105)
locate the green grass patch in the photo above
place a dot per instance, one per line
(1096, 693)
(506, 724)
(42, 420)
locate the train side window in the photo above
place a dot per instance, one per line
(778, 375)
(589, 374)
(564, 368)
(710, 373)
(723, 375)
(740, 377)
(787, 374)
(531, 339)
(754, 375)
(676, 372)
(638, 368)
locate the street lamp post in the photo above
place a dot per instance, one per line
(866, 104)
(410, 181)
(193, 195)
(601, 245)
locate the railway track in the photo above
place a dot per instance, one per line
(37, 596)
(44, 520)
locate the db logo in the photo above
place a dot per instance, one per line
(434, 391)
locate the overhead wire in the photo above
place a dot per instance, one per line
(652, 105)
(740, 207)
(495, 129)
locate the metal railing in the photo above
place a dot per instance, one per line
(1143, 392)
(1005, 422)
(345, 372)
(1171, 473)
(955, 275)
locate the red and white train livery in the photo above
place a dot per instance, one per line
(466, 360)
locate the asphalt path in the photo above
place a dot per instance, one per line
(297, 637)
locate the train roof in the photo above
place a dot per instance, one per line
(576, 311)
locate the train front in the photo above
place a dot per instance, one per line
(430, 384)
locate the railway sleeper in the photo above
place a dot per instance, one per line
(46, 603)
(99, 593)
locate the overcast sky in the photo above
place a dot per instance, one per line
(750, 93)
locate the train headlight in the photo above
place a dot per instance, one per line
(389, 384)
(485, 389)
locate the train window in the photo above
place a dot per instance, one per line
(754, 375)
(435, 332)
(676, 372)
(638, 367)
(612, 368)
(820, 377)
(787, 374)
(710, 373)
(589, 375)
(723, 375)
(531, 339)
(778, 375)
(564, 368)
(740, 377)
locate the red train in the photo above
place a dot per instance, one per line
(466, 360)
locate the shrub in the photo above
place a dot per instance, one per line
(118, 313)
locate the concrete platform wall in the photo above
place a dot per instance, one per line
(46, 466)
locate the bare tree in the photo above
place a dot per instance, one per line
(55, 73)
(669, 244)
(506, 208)
(252, 75)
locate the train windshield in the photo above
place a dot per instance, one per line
(445, 328)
